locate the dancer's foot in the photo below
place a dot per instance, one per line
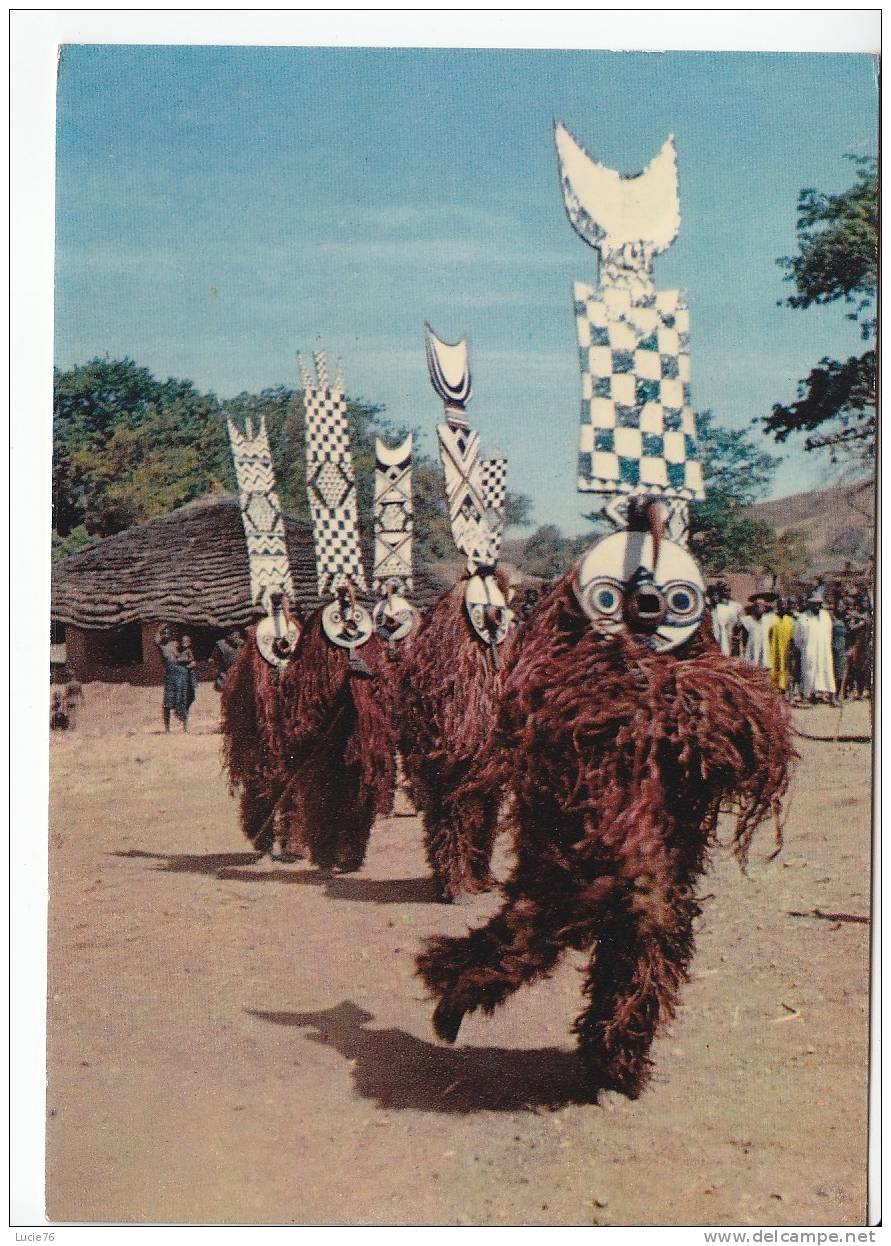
(447, 1021)
(278, 854)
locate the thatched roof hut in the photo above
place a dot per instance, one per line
(188, 568)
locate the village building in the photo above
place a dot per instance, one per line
(189, 569)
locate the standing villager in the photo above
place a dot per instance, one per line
(179, 679)
(621, 729)
(860, 649)
(187, 659)
(74, 699)
(447, 694)
(725, 618)
(66, 699)
(758, 626)
(780, 644)
(813, 640)
(58, 718)
(839, 646)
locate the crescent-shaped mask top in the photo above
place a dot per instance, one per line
(449, 367)
(609, 210)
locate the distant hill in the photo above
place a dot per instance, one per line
(838, 523)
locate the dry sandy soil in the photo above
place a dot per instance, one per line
(246, 1043)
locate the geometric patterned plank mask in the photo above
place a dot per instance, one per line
(393, 616)
(331, 487)
(476, 491)
(261, 513)
(475, 488)
(331, 481)
(393, 517)
(638, 435)
(637, 441)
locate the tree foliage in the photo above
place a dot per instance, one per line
(724, 535)
(733, 463)
(128, 447)
(547, 552)
(788, 557)
(837, 260)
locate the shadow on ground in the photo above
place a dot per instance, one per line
(241, 867)
(397, 1070)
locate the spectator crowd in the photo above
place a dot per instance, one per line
(817, 646)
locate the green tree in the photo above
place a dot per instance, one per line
(724, 536)
(76, 540)
(788, 557)
(733, 463)
(128, 447)
(548, 552)
(837, 260)
(432, 532)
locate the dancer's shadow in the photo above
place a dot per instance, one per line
(382, 890)
(397, 1070)
(345, 887)
(203, 863)
(235, 866)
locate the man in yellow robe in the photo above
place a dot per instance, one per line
(779, 642)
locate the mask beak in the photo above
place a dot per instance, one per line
(645, 605)
(655, 517)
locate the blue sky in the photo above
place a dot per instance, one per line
(220, 208)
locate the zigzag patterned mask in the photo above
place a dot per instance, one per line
(476, 490)
(393, 517)
(261, 513)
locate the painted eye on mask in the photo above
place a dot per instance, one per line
(606, 596)
(683, 601)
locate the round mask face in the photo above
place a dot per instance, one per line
(394, 610)
(277, 638)
(349, 627)
(490, 616)
(619, 589)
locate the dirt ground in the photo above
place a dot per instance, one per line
(245, 1043)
